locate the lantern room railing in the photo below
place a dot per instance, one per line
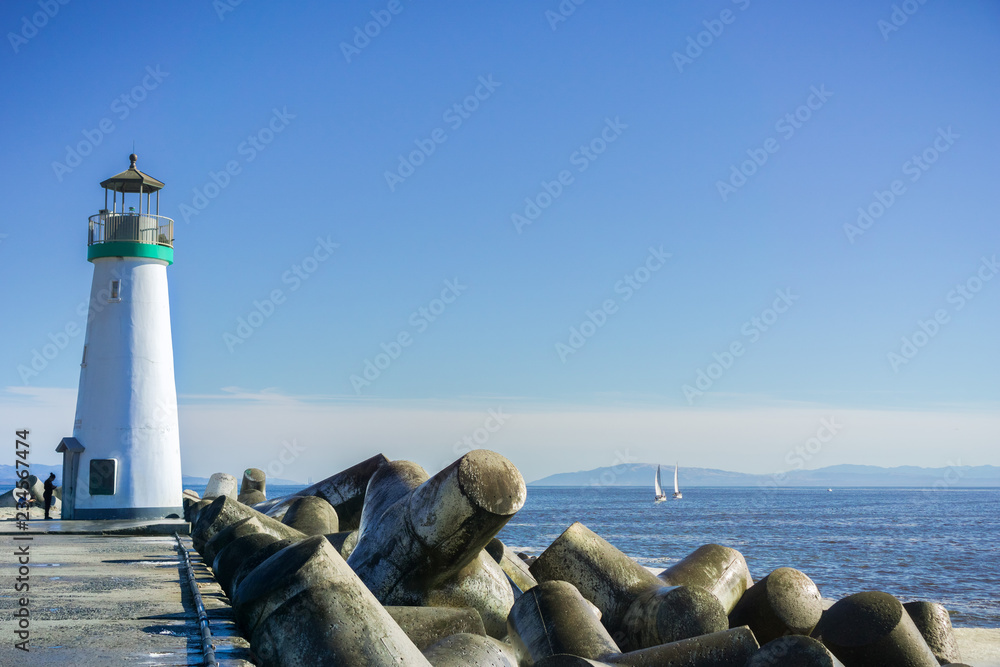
(135, 227)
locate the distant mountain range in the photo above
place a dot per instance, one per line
(641, 474)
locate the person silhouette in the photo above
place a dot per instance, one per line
(50, 487)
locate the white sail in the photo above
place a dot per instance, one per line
(656, 484)
(676, 488)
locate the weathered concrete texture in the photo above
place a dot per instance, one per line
(729, 648)
(313, 610)
(252, 498)
(429, 541)
(427, 625)
(512, 565)
(720, 570)
(553, 618)
(98, 601)
(669, 614)
(464, 650)
(311, 515)
(785, 602)
(234, 554)
(872, 629)
(254, 479)
(220, 484)
(345, 491)
(794, 650)
(224, 512)
(934, 623)
(614, 583)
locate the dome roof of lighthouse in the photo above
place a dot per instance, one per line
(132, 180)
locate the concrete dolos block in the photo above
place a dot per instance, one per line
(304, 606)
(934, 623)
(428, 543)
(345, 491)
(311, 515)
(220, 484)
(637, 609)
(872, 629)
(720, 570)
(785, 602)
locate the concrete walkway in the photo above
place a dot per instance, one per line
(107, 600)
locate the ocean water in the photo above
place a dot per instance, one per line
(941, 545)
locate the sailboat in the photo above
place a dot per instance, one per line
(677, 491)
(660, 495)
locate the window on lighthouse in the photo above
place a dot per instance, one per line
(103, 477)
(116, 292)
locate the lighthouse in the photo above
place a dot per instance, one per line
(123, 460)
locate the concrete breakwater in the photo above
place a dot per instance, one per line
(384, 564)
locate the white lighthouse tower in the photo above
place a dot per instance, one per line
(123, 460)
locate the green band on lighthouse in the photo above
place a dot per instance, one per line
(130, 249)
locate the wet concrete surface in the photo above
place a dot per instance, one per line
(103, 601)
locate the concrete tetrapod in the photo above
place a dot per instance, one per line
(322, 614)
(553, 618)
(720, 570)
(220, 484)
(254, 479)
(793, 650)
(934, 623)
(234, 554)
(389, 484)
(463, 650)
(251, 562)
(615, 583)
(224, 512)
(567, 660)
(433, 534)
(785, 602)
(872, 629)
(428, 625)
(311, 515)
(297, 567)
(344, 490)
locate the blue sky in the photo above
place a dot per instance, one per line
(640, 122)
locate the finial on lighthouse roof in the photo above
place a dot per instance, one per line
(132, 180)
